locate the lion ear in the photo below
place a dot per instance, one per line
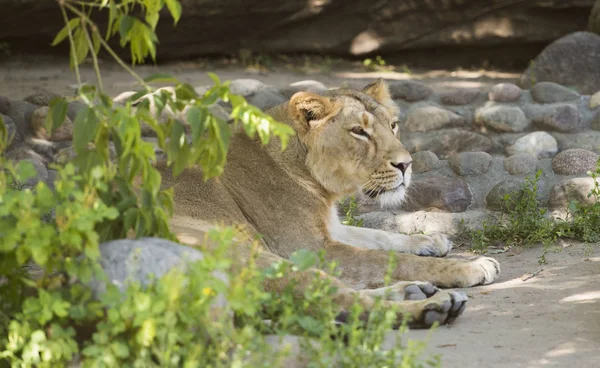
(380, 92)
(309, 107)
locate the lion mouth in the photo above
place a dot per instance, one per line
(374, 193)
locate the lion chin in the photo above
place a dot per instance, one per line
(388, 198)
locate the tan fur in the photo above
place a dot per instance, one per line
(287, 197)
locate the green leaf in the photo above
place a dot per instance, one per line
(161, 77)
(58, 112)
(85, 129)
(196, 117)
(125, 26)
(304, 259)
(174, 7)
(215, 78)
(64, 32)
(82, 48)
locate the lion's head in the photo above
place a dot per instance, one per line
(352, 143)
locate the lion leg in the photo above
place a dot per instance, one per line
(365, 269)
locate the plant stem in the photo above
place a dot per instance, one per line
(107, 47)
(94, 57)
(71, 44)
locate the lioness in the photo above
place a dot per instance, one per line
(345, 141)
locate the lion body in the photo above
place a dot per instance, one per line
(346, 141)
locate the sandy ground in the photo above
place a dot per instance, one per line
(550, 320)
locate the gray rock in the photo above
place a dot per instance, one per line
(505, 92)
(548, 92)
(20, 112)
(38, 129)
(14, 137)
(470, 163)
(510, 186)
(266, 98)
(52, 178)
(575, 189)
(537, 144)
(424, 161)
(41, 98)
(503, 118)
(245, 87)
(520, 164)
(571, 61)
(73, 108)
(410, 91)
(574, 162)
(589, 140)
(595, 100)
(459, 96)
(41, 172)
(430, 117)
(447, 141)
(562, 118)
(438, 192)
(305, 86)
(24, 152)
(595, 122)
(4, 105)
(129, 260)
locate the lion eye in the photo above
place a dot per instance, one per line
(359, 131)
(394, 125)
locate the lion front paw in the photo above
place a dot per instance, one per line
(444, 307)
(485, 270)
(433, 245)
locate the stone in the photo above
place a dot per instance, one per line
(438, 192)
(589, 140)
(40, 170)
(447, 141)
(41, 98)
(520, 163)
(561, 118)
(424, 161)
(138, 260)
(410, 91)
(549, 92)
(303, 86)
(595, 122)
(38, 122)
(595, 100)
(430, 117)
(470, 163)
(505, 92)
(20, 112)
(266, 98)
(245, 87)
(571, 61)
(503, 118)
(574, 189)
(537, 144)
(574, 162)
(459, 96)
(4, 105)
(495, 198)
(14, 137)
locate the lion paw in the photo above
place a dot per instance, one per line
(433, 245)
(487, 270)
(444, 307)
(403, 290)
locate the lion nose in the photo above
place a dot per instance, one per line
(402, 166)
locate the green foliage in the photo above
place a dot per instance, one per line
(525, 223)
(349, 207)
(378, 64)
(49, 238)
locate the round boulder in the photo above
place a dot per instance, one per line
(503, 118)
(548, 92)
(537, 144)
(441, 193)
(459, 96)
(595, 100)
(38, 122)
(505, 92)
(431, 117)
(470, 163)
(570, 61)
(303, 86)
(511, 187)
(575, 161)
(562, 118)
(424, 161)
(575, 189)
(520, 164)
(447, 141)
(409, 91)
(41, 98)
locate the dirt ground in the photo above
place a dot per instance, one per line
(550, 320)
